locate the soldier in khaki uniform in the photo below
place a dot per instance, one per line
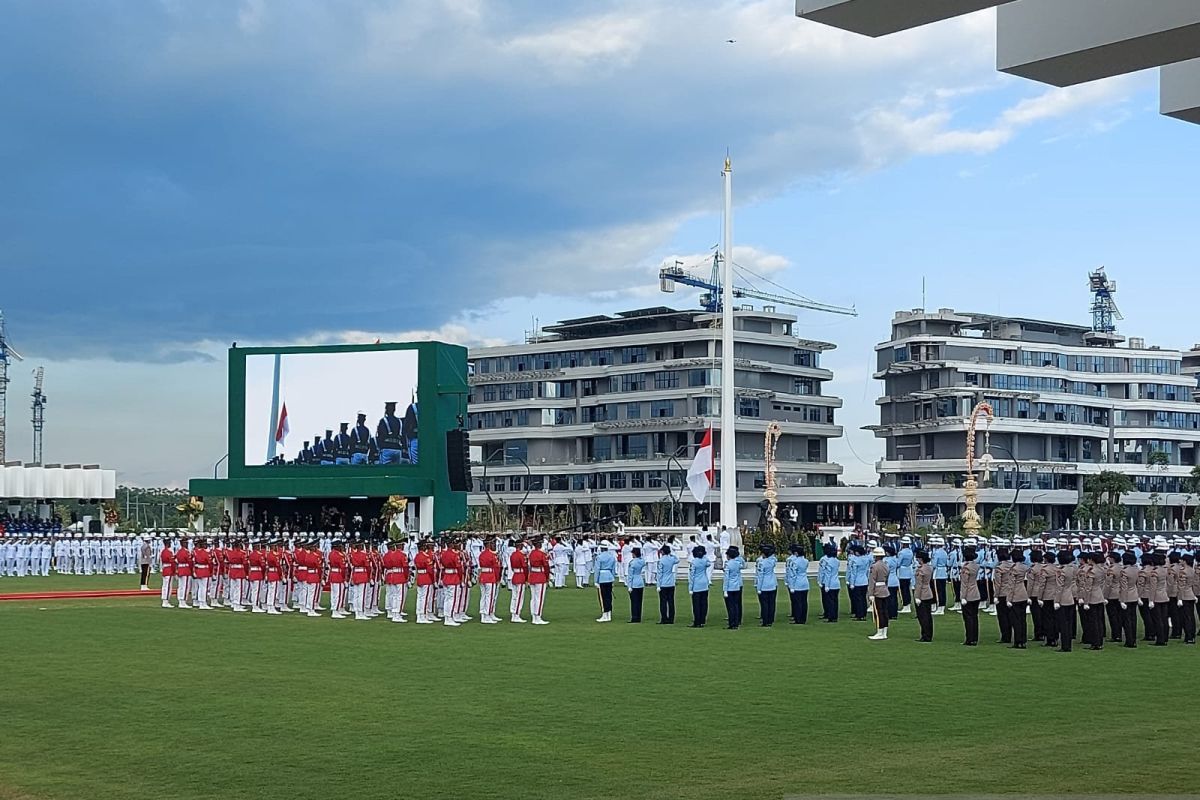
(1018, 597)
(923, 594)
(1159, 597)
(1065, 601)
(1049, 598)
(1036, 581)
(1187, 598)
(1001, 587)
(1084, 578)
(969, 577)
(1112, 594)
(877, 586)
(1128, 583)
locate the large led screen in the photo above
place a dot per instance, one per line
(325, 410)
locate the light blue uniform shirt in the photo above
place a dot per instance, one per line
(893, 565)
(857, 568)
(940, 561)
(827, 573)
(955, 561)
(733, 574)
(764, 574)
(604, 568)
(666, 570)
(698, 580)
(636, 579)
(905, 560)
(796, 573)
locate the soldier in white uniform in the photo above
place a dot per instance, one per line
(560, 561)
(582, 563)
(651, 556)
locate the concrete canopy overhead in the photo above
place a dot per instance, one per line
(881, 17)
(1180, 91)
(1068, 42)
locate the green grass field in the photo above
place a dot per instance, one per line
(116, 699)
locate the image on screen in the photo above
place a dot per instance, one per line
(332, 409)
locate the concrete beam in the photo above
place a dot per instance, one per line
(1067, 42)
(881, 17)
(1179, 91)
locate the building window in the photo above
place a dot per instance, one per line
(910, 480)
(616, 480)
(602, 448)
(666, 380)
(662, 408)
(698, 377)
(814, 450)
(703, 404)
(633, 355)
(633, 411)
(803, 386)
(637, 480)
(748, 407)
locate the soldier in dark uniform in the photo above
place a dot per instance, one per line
(360, 441)
(327, 448)
(410, 432)
(318, 451)
(341, 445)
(389, 435)
(305, 454)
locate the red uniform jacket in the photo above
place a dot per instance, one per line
(255, 564)
(424, 566)
(237, 563)
(183, 563)
(489, 567)
(451, 568)
(168, 562)
(517, 561)
(360, 567)
(203, 563)
(395, 568)
(315, 565)
(273, 571)
(539, 567)
(337, 566)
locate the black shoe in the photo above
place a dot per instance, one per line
(1019, 646)
(925, 641)
(694, 625)
(1095, 647)
(1160, 644)
(1130, 646)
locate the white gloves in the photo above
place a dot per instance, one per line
(1151, 605)
(1124, 606)
(1087, 607)
(1057, 606)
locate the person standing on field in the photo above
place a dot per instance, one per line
(167, 566)
(604, 570)
(145, 555)
(877, 584)
(923, 596)
(667, 563)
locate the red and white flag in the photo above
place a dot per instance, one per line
(282, 429)
(701, 476)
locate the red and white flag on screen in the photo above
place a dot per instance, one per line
(282, 429)
(700, 476)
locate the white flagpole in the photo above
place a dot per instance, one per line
(728, 398)
(274, 411)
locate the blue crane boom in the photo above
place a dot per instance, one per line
(711, 299)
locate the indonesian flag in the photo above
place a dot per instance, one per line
(701, 476)
(282, 429)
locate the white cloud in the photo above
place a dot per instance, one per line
(609, 40)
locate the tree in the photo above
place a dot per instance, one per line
(1001, 522)
(1036, 526)
(1191, 485)
(1105, 492)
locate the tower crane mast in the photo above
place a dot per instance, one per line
(39, 414)
(7, 354)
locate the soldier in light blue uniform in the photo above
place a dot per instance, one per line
(635, 582)
(604, 572)
(795, 576)
(698, 583)
(734, 564)
(857, 568)
(830, 583)
(665, 583)
(987, 565)
(940, 560)
(893, 564)
(766, 585)
(905, 571)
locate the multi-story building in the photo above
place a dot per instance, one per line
(603, 413)
(1069, 401)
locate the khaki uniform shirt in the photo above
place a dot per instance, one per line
(969, 575)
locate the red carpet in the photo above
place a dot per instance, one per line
(77, 595)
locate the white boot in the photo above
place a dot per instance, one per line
(906, 610)
(167, 605)
(879, 635)
(937, 612)
(537, 620)
(449, 622)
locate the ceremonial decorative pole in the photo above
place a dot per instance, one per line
(770, 492)
(971, 521)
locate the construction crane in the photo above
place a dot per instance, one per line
(711, 299)
(1104, 307)
(39, 414)
(7, 354)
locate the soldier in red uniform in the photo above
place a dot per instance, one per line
(360, 576)
(235, 556)
(167, 560)
(489, 582)
(395, 577)
(183, 574)
(217, 585)
(375, 558)
(337, 580)
(519, 569)
(539, 576)
(287, 577)
(201, 573)
(464, 587)
(423, 563)
(315, 576)
(274, 573)
(300, 559)
(255, 572)
(451, 563)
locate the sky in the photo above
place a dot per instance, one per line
(179, 176)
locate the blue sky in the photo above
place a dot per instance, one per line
(181, 175)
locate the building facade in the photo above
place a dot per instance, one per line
(601, 414)
(1068, 401)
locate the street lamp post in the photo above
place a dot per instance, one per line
(1017, 494)
(487, 489)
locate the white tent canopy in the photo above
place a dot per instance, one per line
(20, 482)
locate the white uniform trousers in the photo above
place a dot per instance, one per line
(517, 602)
(358, 599)
(237, 591)
(200, 590)
(450, 603)
(272, 597)
(391, 599)
(487, 599)
(425, 597)
(183, 587)
(337, 598)
(537, 599)
(254, 597)
(166, 589)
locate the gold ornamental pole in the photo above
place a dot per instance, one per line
(971, 521)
